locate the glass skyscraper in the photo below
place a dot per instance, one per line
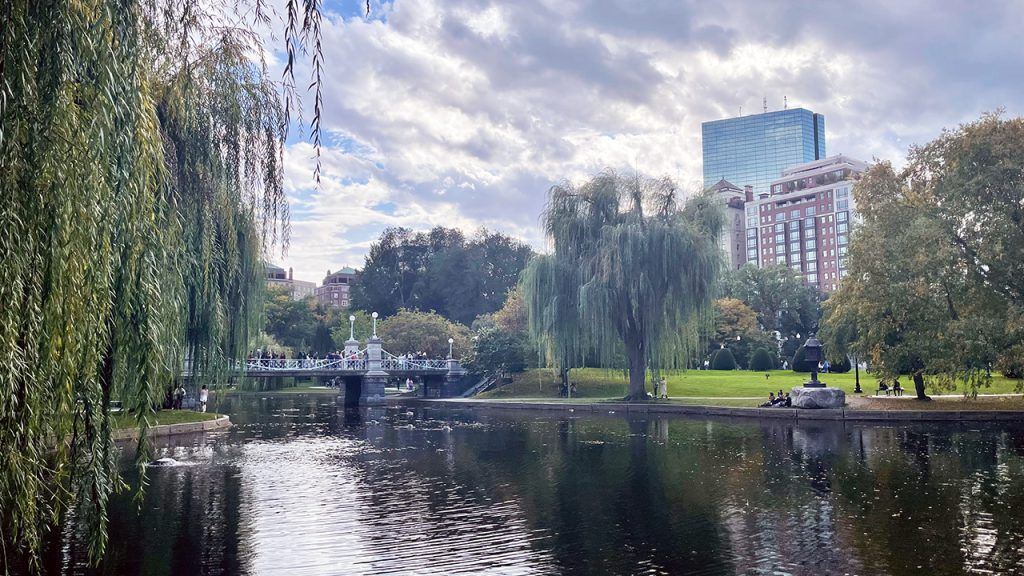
(754, 150)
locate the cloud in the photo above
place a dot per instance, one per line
(464, 112)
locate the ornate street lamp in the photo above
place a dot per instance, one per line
(374, 324)
(351, 327)
(450, 342)
(813, 354)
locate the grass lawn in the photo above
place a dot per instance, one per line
(703, 384)
(125, 420)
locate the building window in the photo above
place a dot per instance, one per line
(780, 238)
(794, 257)
(842, 204)
(752, 253)
(794, 235)
(780, 216)
(794, 247)
(795, 266)
(780, 227)
(842, 192)
(811, 256)
(812, 278)
(842, 240)
(751, 232)
(809, 211)
(794, 214)
(751, 210)
(780, 259)
(841, 217)
(809, 232)
(810, 245)
(841, 227)
(812, 266)
(752, 221)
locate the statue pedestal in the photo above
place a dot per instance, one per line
(817, 397)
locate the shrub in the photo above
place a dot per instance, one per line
(842, 366)
(799, 364)
(761, 360)
(723, 360)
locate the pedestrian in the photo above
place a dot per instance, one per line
(178, 397)
(663, 388)
(204, 395)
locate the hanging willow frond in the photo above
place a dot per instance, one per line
(631, 271)
(141, 173)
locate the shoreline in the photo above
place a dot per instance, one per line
(221, 422)
(797, 414)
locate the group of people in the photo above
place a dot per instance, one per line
(179, 394)
(781, 401)
(896, 389)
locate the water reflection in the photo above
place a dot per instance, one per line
(302, 486)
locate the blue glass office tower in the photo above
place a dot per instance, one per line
(754, 150)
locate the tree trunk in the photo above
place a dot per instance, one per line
(637, 373)
(919, 386)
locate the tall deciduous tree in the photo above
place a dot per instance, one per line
(140, 171)
(782, 301)
(412, 331)
(908, 304)
(440, 270)
(631, 269)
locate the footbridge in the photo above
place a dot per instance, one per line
(363, 371)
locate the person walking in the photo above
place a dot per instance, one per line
(204, 395)
(178, 398)
(663, 388)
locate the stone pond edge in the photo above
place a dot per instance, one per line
(702, 410)
(172, 429)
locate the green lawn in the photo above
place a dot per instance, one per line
(600, 383)
(125, 420)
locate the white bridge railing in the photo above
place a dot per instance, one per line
(360, 363)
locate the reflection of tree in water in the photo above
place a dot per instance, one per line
(192, 521)
(581, 495)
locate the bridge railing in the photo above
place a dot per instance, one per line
(408, 364)
(297, 364)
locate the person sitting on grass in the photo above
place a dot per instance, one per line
(788, 402)
(770, 402)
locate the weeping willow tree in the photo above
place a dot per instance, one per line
(141, 181)
(632, 270)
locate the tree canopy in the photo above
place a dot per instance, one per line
(439, 270)
(782, 301)
(412, 331)
(914, 302)
(632, 269)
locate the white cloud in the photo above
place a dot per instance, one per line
(463, 112)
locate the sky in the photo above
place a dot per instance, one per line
(465, 112)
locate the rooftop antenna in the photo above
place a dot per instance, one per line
(741, 109)
(765, 103)
(785, 103)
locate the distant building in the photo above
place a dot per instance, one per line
(336, 288)
(804, 220)
(733, 241)
(277, 278)
(755, 149)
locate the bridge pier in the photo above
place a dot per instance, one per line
(372, 393)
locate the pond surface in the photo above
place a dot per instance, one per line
(299, 486)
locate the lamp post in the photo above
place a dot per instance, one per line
(450, 342)
(351, 327)
(374, 315)
(812, 354)
(856, 375)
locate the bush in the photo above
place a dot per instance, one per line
(761, 360)
(723, 360)
(841, 366)
(798, 364)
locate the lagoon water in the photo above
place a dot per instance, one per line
(300, 486)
